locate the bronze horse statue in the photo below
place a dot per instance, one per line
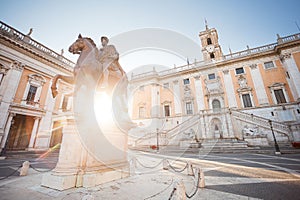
(88, 69)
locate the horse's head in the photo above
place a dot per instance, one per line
(77, 46)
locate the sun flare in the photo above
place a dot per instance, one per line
(103, 107)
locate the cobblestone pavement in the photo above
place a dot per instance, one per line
(227, 176)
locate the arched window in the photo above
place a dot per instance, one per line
(209, 41)
(212, 55)
(216, 105)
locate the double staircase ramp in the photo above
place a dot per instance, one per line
(261, 122)
(172, 136)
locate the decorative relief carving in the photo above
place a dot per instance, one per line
(4, 68)
(175, 82)
(226, 71)
(36, 79)
(187, 92)
(214, 86)
(284, 56)
(17, 66)
(197, 77)
(242, 82)
(253, 66)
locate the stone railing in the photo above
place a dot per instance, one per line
(191, 121)
(240, 54)
(260, 121)
(182, 68)
(184, 126)
(19, 37)
(289, 38)
(250, 51)
(143, 75)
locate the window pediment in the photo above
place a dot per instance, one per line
(36, 79)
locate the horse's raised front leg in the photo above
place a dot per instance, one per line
(53, 86)
(68, 79)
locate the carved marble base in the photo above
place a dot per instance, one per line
(59, 182)
(79, 166)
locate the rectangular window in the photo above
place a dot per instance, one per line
(167, 110)
(31, 94)
(239, 70)
(269, 65)
(189, 108)
(211, 76)
(186, 81)
(141, 112)
(279, 96)
(247, 100)
(166, 85)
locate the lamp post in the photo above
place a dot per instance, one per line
(157, 140)
(277, 150)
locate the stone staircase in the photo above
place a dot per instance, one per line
(225, 146)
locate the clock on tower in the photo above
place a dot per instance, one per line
(211, 50)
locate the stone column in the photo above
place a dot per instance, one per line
(291, 67)
(8, 90)
(229, 89)
(199, 93)
(202, 125)
(155, 100)
(34, 132)
(46, 122)
(177, 97)
(259, 85)
(7, 129)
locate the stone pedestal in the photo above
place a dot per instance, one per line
(87, 162)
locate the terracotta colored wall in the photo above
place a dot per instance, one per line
(274, 75)
(296, 57)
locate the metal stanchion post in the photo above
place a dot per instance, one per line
(277, 150)
(157, 140)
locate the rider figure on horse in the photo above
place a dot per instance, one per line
(109, 58)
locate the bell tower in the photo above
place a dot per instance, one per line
(211, 49)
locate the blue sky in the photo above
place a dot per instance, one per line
(56, 23)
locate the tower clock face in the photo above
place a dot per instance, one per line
(210, 48)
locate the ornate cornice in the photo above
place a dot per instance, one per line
(36, 56)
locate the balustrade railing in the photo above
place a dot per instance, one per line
(260, 121)
(240, 54)
(289, 38)
(17, 36)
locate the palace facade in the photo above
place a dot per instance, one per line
(27, 109)
(245, 96)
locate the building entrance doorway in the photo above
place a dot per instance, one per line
(20, 132)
